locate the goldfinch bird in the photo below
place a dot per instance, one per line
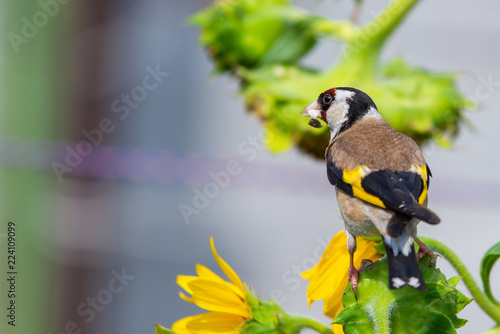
(381, 180)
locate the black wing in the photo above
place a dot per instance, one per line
(397, 191)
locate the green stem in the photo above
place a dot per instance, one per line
(482, 300)
(337, 30)
(361, 55)
(380, 28)
(312, 324)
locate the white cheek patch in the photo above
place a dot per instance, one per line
(338, 111)
(336, 116)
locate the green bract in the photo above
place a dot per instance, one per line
(269, 318)
(262, 42)
(264, 316)
(159, 329)
(252, 33)
(381, 310)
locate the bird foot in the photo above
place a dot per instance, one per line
(422, 250)
(353, 275)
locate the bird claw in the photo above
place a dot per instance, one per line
(423, 250)
(353, 275)
(363, 264)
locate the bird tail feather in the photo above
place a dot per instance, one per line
(399, 220)
(424, 214)
(403, 269)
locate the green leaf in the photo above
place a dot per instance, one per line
(352, 322)
(162, 330)
(457, 322)
(454, 281)
(381, 310)
(489, 259)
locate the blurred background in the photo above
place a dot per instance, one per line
(100, 231)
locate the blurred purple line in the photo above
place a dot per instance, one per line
(110, 163)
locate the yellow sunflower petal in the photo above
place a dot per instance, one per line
(337, 329)
(332, 305)
(230, 273)
(329, 276)
(183, 281)
(330, 270)
(215, 322)
(365, 250)
(309, 273)
(205, 273)
(186, 298)
(213, 296)
(180, 326)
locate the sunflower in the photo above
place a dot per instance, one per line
(328, 279)
(226, 301)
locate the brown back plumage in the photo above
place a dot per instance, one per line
(374, 143)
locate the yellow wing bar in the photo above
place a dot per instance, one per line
(354, 178)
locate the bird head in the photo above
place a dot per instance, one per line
(340, 108)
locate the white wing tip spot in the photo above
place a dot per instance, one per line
(414, 282)
(398, 282)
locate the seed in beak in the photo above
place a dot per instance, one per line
(315, 123)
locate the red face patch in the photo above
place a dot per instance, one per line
(332, 91)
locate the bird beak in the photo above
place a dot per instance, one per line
(313, 110)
